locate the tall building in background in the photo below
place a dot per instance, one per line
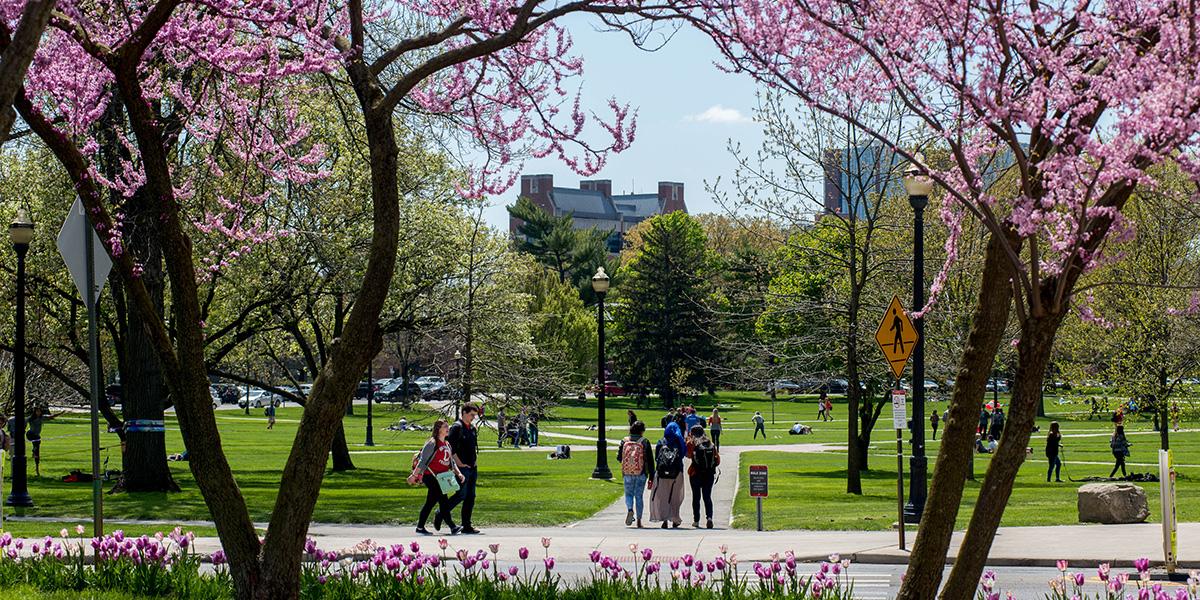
(857, 176)
(594, 205)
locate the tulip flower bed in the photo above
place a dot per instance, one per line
(165, 566)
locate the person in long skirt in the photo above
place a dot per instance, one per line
(669, 484)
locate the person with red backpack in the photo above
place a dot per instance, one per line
(637, 467)
(702, 474)
(667, 494)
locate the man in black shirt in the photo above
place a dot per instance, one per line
(464, 438)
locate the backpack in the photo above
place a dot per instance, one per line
(633, 457)
(667, 461)
(704, 457)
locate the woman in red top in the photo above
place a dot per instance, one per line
(435, 458)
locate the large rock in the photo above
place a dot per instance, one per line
(1116, 502)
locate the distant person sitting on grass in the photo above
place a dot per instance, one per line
(980, 448)
(798, 429)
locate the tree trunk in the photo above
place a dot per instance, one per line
(340, 452)
(856, 454)
(1033, 352)
(349, 356)
(955, 456)
(143, 390)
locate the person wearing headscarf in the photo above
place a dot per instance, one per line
(667, 495)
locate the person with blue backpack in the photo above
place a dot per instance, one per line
(667, 495)
(702, 474)
(637, 470)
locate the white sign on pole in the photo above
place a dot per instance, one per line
(1166, 478)
(70, 246)
(899, 411)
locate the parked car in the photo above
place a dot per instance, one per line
(614, 388)
(255, 398)
(998, 385)
(361, 392)
(784, 385)
(398, 391)
(430, 383)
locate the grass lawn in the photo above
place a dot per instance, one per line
(524, 488)
(808, 490)
(374, 493)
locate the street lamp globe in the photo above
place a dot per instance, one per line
(457, 355)
(21, 229)
(600, 281)
(915, 183)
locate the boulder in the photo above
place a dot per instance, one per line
(1116, 502)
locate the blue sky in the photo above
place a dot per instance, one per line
(687, 111)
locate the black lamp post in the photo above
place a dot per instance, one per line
(370, 441)
(21, 234)
(462, 388)
(600, 286)
(918, 188)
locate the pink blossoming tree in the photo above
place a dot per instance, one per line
(207, 70)
(1074, 100)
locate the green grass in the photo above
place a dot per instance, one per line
(808, 491)
(27, 592)
(524, 488)
(373, 493)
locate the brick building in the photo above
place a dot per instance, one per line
(594, 205)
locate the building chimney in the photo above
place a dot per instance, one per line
(537, 188)
(670, 197)
(604, 186)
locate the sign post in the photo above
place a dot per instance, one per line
(1166, 478)
(899, 422)
(758, 488)
(897, 338)
(89, 264)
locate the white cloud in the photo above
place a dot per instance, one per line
(719, 114)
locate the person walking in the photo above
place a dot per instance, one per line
(667, 418)
(632, 418)
(1053, 446)
(933, 422)
(984, 419)
(667, 495)
(270, 412)
(714, 427)
(829, 408)
(501, 428)
(997, 427)
(464, 444)
(533, 429)
(759, 425)
(522, 429)
(691, 420)
(33, 433)
(821, 407)
(1120, 450)
(432, 464)
(637, 469)
(702, 474)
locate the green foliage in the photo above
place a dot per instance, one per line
(661, 309)
(563, 329)
(571, 254)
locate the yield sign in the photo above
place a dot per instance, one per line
(76, 228)
(896, 336)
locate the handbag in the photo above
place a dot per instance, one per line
(448, 482)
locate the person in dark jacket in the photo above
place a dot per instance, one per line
(702, 474)
(1053, 446)
(464, 444)
(637, 469)
(1120, 449)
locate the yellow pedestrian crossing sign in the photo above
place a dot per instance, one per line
(896, 336)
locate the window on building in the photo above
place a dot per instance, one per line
(533, 185)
